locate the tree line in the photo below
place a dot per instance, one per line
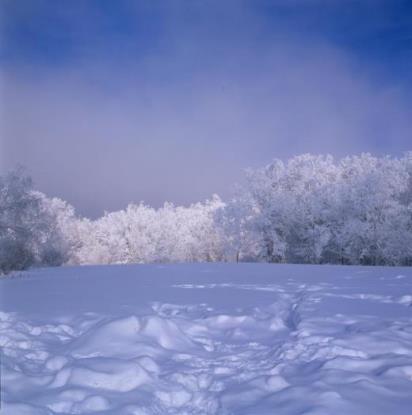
(309, 209)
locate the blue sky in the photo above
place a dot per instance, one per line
(108, 102)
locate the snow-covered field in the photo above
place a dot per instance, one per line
(207, 339)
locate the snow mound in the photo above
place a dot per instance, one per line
(243, 339)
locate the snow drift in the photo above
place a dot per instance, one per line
(207, 339)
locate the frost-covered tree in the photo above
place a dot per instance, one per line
(313, 209)
(65, 231)
(367, 201)
(28, 232)
(309, 209)
(141, 234)
(286, 212)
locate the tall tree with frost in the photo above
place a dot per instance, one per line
(27, 231)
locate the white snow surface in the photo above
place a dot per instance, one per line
(207, 339)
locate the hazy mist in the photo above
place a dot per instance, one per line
(177, 112)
